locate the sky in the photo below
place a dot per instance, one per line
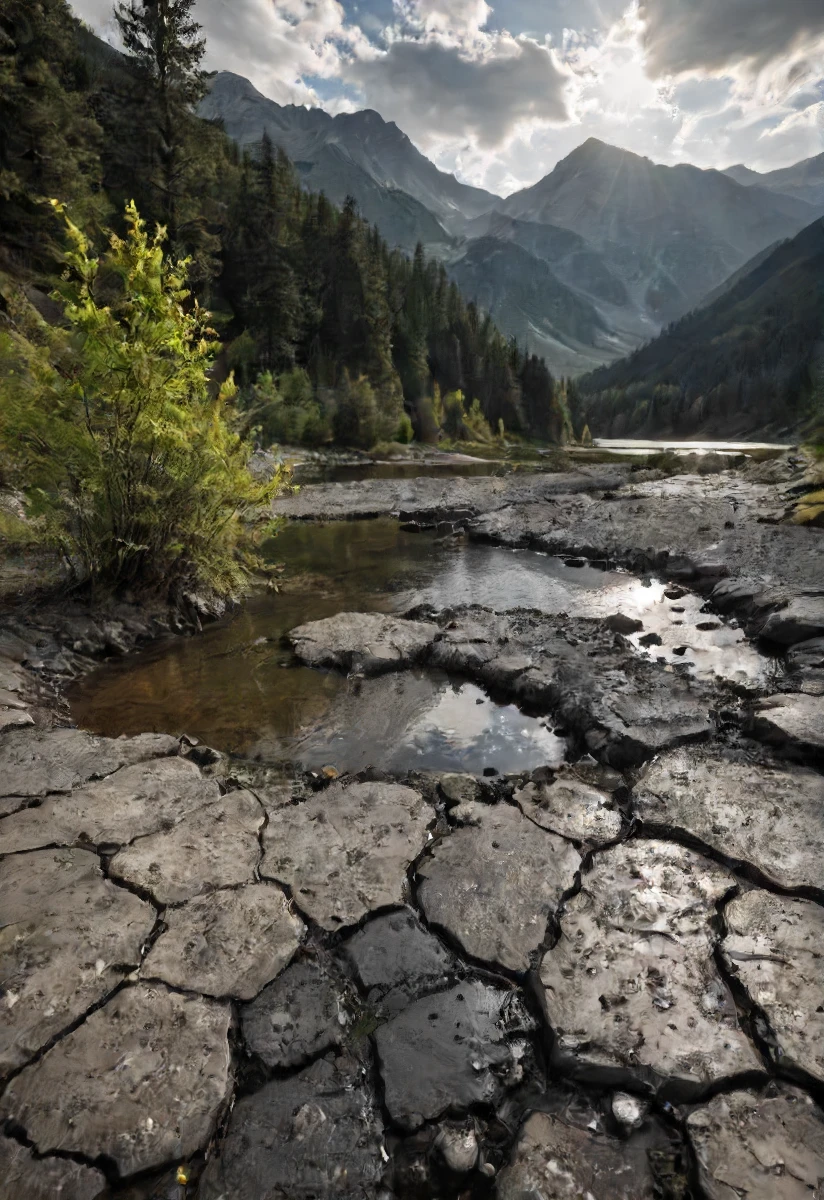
(499, 91)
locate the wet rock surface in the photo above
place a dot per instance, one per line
(631, 988)
(297, 1017)
(142, 1080)
(312, 1136)
(68, 937)
(231, 942)
(764, 1146)
(396, 959)
(24, 1177)
(451, 1051)
(365, 642)
(215, 847)
(767, 814)
(558, 1161)
(345, 852)
(775, 948)
(571, 808)
(494, 884)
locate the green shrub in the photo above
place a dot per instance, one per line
(404, 433)
(128, 455)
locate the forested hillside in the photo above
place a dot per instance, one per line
(751, 361)
(331, 334)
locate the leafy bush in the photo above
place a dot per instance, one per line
(128, 454)
(404, 433)
(286, 410)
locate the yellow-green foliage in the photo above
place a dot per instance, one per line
(126, 451)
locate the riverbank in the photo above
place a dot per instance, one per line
(597, 974)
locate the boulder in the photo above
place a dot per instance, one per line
(631, 989)
(345, 851)
(131, 803)
(802, 619)
(769, 816)
(143, 1080)
(792, 720)
(68, 937)
(459, 789)
(295, 1018)
(775, 947)
(369, 643)
(314, 1136)
(571, 808)
(24, 1177)
(762, 1146)
(555, 1160)
(231, 942)
(451, 1051)
(494, 884)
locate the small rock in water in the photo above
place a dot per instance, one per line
(629, 1111)
(620, 623)
(458, 789)
(458, 1148)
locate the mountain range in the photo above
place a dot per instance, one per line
(583, 267)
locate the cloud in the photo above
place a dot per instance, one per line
(434, 89)
(447, 16)
(685, 35)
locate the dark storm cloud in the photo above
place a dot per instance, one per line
(684, 35)
(428, 86)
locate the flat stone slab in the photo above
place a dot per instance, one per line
(214, 847)
(795, 720)
(554, 1160)
(229, 943)
(67, 938)
(366, 642)
(771, 817)
(132, 802)
(494, 884)
(631, 989)
(314, 1136)
(571, 808)
(450, 1051)
(143, 1081)
(395, 956)
(24, 1177)
(801, 620)
(57, 760)
(762, 1146)
(295, 1018)
(775, 946)
(345, 852)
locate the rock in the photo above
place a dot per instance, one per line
(345, 852)
(621, 623)
(571, 808)
(802, 619)
(629, 1111)
(14, 718)
(494, 885)
(57, 760)
(767, 1146)
(313, 1136)
(458, 1148)
(451, 1051)
(394, 954)
(229, 943)
(554, 1160)
(366, 642)
(806, 655)
(295, 1018)
(775, 947)
(459, 789)
(796, 721)
(24, 1177)
(143, 1081)
(214, 847)
(67, 938)
(631, 989)
(771, 817)
(133, 802)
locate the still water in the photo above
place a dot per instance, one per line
(237, 688)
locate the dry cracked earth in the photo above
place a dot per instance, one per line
(601, 981)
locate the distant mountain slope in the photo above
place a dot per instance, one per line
(803, 181)
(671, 234)
(377, 147)
(750, 362)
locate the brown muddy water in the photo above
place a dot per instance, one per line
(237, 687)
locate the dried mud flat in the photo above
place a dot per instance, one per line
(602, 980)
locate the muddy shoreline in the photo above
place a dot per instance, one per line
(603, 976)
